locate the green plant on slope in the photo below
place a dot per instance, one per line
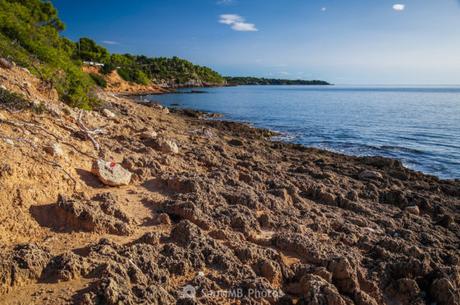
(29, 35)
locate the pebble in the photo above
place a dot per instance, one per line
(108, 114)
(413, 210)
(9, 142)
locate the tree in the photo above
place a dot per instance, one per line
(90, 51)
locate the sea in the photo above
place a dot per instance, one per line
(419, 125)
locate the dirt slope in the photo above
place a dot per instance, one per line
(232, 218)
(116, 84)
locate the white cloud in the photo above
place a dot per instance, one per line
(111, 42)
(244, 27)
(399, 7)
(225, 2)
(230, 19)
(237, 23)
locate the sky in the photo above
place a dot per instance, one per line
(399, 42)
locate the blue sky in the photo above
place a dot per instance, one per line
(342, 41)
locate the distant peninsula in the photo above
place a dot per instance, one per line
(250, 81)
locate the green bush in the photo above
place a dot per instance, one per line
(99, 80)
(29, 35)
(134, 75)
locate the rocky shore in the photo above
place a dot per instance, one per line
(134, 204)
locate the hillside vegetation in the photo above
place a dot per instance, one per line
(30, 36)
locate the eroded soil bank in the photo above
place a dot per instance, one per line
(212, 206)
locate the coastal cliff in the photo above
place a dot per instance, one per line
(206, 212)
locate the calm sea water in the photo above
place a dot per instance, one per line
(418, 125)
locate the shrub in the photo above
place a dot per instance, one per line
(15, 101)
(99, 80)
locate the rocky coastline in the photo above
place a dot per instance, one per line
(134, 203)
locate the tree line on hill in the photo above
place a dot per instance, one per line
(240, 80)
(30, 36)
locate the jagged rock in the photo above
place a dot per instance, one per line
(370, 175)
(6, 64)
(444, 293)
(54, 149)
(317, 291)
(270, 270)
(405, 290)
(352, 195)
(66, 267)
(413, 210)
(108, 114)
(91, 216)
(24, 264)
(343, 275)
(111, 173)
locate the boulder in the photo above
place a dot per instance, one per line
(108, 114)
(111, 173)
(370, 175)
(54, 149)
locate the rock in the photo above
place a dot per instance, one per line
(413, 210)
(22, 265)
(444, 293)
(235, 142)
(163, 219)
(108, 114)
(9, 142)
(317, 291)
(149, 135)
(165, 110)
(6, 64)
(208, 133)
(54, 149)
(168, 146)
(101, 215)
(111, 173)
(343, 275)
(446, 221)
(352, 195)
(370, 175)
(271, 271)
(2, 117)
